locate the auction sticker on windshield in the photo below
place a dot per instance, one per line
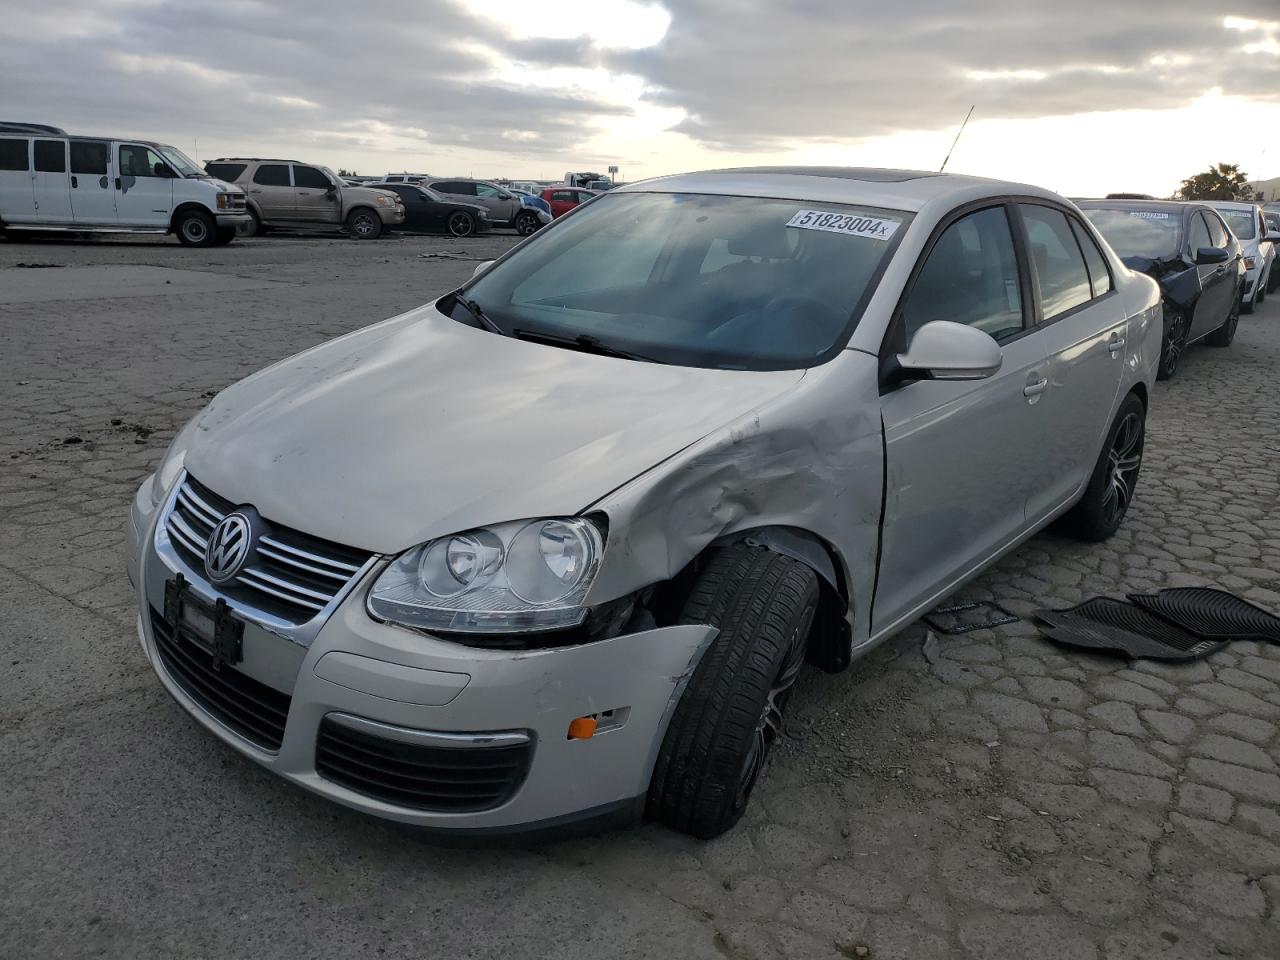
(1148, 215)
(850, 224)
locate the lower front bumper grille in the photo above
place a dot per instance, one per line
(453, 779)
(250, 708)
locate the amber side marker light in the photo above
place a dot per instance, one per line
(582, 728)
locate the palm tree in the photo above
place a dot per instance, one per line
(1222, 182)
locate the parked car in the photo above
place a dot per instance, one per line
(505, 208)
(428, 212)
(406, 177)
(1188, 250)
(1245, 221)
(525, 225)
(1271, 219)
(563, 199)
(556, 545)
(51, 181)
(286, 193)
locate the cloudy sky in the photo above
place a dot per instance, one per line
(1082, 96)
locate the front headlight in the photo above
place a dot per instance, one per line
(167, 472)
(518, 577)
(224, 201)
(385, 201)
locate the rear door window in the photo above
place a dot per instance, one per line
(229, 172)
(272, 175)
(88, 156)
(1059, 264)
(13, 155)
(51, 156)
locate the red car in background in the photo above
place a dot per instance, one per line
(564, 199)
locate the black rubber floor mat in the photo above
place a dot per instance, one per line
(1106, 624)
(1211, 614)
(961, 618)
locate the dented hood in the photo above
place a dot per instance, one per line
(421, 426)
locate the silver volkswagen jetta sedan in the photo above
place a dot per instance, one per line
(555, 546)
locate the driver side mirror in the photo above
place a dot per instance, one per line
(1207, 256)
(945, 350)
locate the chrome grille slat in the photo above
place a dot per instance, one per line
(345, 568)
(290, 576)
(280, 557)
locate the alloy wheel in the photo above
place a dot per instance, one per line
(1175, 341)
(769, 725)
(1124, 459)
(362, 224)
(460, 225)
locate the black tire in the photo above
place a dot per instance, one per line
(731, 711)
(460, 223)
(363, 223)
(1261, 296)
(256, 229)
(527, 223)
(1174, 343)
(1110, 491)
(1223, 336)
(195, 228)
(1248, 307)
(223, 236)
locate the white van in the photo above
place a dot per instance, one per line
(52, 181)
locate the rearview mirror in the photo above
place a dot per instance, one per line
(1206, 256)
(481, 268)
(945, 350)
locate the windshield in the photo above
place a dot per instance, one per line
(1241, 222)
(1138, 232)
(185, 166)
(696, 279)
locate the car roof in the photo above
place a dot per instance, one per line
(261, 160)
(1230, 204)
(909, 190)
(1175, 206)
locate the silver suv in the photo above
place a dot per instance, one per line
(286, 193)
(505, 208)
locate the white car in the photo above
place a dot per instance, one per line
(1247, 223)
(556, 545)
(50, 181)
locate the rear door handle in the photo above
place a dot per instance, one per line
(1035, 386)
(74, 183)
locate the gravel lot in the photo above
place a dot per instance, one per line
(1001, 798)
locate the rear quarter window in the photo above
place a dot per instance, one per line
(272, 175)
(229, 172)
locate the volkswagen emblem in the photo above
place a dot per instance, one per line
(229, 547)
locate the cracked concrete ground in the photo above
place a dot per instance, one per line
(1001, 798)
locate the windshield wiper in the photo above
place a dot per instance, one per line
(583, 342)
(473, 308)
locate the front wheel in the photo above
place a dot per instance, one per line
(364, 224)
(527, 223)
(1111, 487)
(1175, 341)
(195, 228)
(1223, 336)
(731, 713)
(461, 224)
(1247, 306)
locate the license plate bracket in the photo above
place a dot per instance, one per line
(212, 626)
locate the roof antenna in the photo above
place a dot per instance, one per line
(942, 168)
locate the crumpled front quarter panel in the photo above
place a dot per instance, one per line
(811, 459)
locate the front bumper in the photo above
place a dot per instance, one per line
(242, 223)
(391, 216)
(422, 687)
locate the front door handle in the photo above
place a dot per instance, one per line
(74, 183)
(1115, 344)
(1035, 386)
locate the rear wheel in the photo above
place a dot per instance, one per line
(1223, 336)
(731, 713)
(1247, 305)
(527, 223)
(363, 224)
(1111, 487)
(461, 223)
(1175, 341)
(195, 228)
(256, 229)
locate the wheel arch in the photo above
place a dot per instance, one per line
(186, 207)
